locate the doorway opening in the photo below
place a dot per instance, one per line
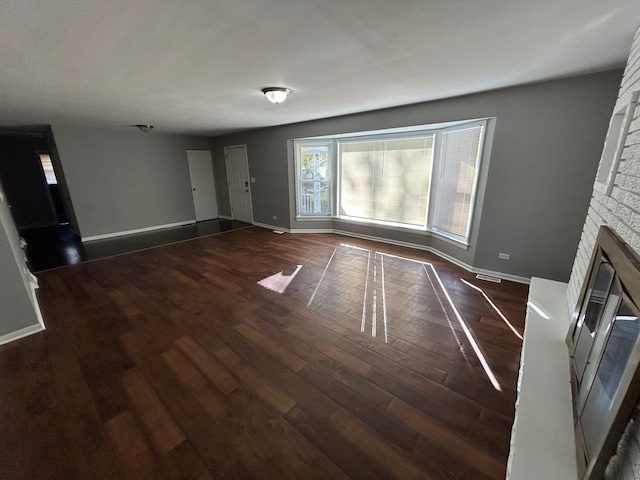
(52, 186)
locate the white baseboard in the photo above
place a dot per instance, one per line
(449, 258)
(503, 276)
(313, 230)
(271, 227)
(23, 332)
(137, 230)
(226, 217)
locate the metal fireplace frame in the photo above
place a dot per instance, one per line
(605, 394)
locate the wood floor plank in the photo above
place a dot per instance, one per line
(333, 368)
(345, 454)
(265, 389)
(329, 349)
(377, 448)
(291, 360)
(87, 441)
(203, 432)
(447, 438)
(173, 362)
(441, 463)
(271, 439)
(238, 351)
(183, 462)
(195, 382)
(217, 374)
(358, 405)
(161, 429)
(131, 447)
(421, 386)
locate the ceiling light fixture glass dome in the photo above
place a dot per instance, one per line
(276, 94)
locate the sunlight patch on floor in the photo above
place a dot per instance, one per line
(495, 307)
(374, 289)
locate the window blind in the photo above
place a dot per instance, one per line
(459, 155)
(386, 180)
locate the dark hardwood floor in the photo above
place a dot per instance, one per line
(174, 363)
(57, 246)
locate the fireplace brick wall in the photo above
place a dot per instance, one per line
(621, 212)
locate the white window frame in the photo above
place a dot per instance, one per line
(406, 132)
(438, 155)
(297, 145)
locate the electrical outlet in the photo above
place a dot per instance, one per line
(274, 217)
(253, 179)
(504, 256)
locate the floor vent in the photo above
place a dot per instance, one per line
(488, 278)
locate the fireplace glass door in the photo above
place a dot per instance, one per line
(610, 307)
(618, 360)
(591, 315)
(604, 347)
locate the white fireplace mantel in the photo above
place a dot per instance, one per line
(542, 437)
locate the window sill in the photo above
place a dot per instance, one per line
(396, 228)
(314, 219)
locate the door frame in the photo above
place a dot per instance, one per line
(246, 162)
(62, 183)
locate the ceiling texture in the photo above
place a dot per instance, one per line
(198, 66)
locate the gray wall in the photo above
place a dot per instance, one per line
(124, 179)
(547, 144)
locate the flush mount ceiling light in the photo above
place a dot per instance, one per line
(276, 94)
(144, 128)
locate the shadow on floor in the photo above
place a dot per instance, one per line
(58, 246)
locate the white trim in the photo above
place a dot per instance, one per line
(313, 230)
(395, 130)
(226, 217)
(271, 227)
(503, 276)
(449, 258)
(33, 283)
(137, 230)
(23, 332)
(389, 226)
(319, 218)
(298, 144)
(543, 422)
(383, 240)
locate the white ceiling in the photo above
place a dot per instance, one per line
(197, 66)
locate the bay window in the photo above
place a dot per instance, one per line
(422, 178)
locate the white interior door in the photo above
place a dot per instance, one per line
(203, 185)
(239, 183)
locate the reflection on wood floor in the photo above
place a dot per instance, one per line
(57, 246)
(369, 361)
